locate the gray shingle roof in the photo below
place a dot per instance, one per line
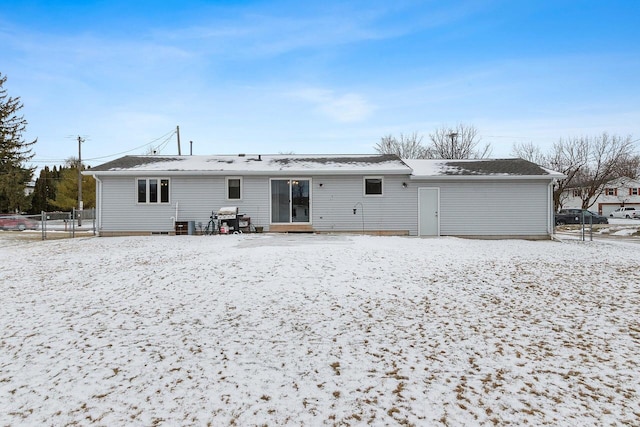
(322, 164)
(129, 162)
(441, 168)
(255, 164)
(495, 166)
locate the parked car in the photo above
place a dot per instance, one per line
(624, 212)
(574, 216)
(17, 222)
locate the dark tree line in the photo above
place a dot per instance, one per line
(57, 189)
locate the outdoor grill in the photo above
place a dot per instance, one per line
(229, 219)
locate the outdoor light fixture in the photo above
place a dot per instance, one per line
(361, 213)
(404, 185)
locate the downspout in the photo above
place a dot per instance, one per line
(98, 202)
(550, 211)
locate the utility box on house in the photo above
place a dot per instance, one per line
(181, 228)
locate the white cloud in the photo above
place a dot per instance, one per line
(343, 108)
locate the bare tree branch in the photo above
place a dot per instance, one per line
(604, 155)
(588, 163)
(460, 142)
(407, 147)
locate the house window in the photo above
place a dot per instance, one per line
(153, 190)
(577, 192)
(634, 191)
(234, 188)
(373, 186)
(610, 191)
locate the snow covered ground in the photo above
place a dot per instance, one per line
(318, 330)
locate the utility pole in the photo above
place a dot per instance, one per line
(80, 141)
(452, 154)
(178, 134)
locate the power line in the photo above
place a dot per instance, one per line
(167, 137)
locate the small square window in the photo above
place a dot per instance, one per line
(234, 188)
(373, 186)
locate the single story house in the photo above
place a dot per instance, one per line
(373, 194)
(616, 193)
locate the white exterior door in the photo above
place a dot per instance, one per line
(428, 211)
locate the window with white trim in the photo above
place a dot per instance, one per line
(153, 190)
(634, 191)
(373, 186)
(234, 188)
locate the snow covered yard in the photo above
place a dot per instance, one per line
(318, 330)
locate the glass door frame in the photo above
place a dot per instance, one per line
(289, 183)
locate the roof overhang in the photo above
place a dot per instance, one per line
(549, 177)
(284, 173)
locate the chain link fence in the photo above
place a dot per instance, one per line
(52, 225)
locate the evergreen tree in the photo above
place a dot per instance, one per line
(66, 192)
(44, 191)
(14, 153)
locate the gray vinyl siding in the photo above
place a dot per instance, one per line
(334, 201)
(493, 208)
(199, 196)
(474, 207)
(120, 210)
(191, 199)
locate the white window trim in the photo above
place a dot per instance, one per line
(364, 186)
(226, 187)
(147, 178)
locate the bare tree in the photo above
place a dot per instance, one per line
(459, 142)
(628, 166)
(588, 163)
(529, 151)
(407, 147)
(566, 156)
(604, 155)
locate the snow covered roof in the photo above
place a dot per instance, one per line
(255, 165)
(335, 164)
(495, 168)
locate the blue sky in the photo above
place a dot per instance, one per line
(316, 77)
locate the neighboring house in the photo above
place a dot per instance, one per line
(616, 193)
(377, 194)
(29, 188)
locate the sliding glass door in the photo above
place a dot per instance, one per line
(290, 201)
